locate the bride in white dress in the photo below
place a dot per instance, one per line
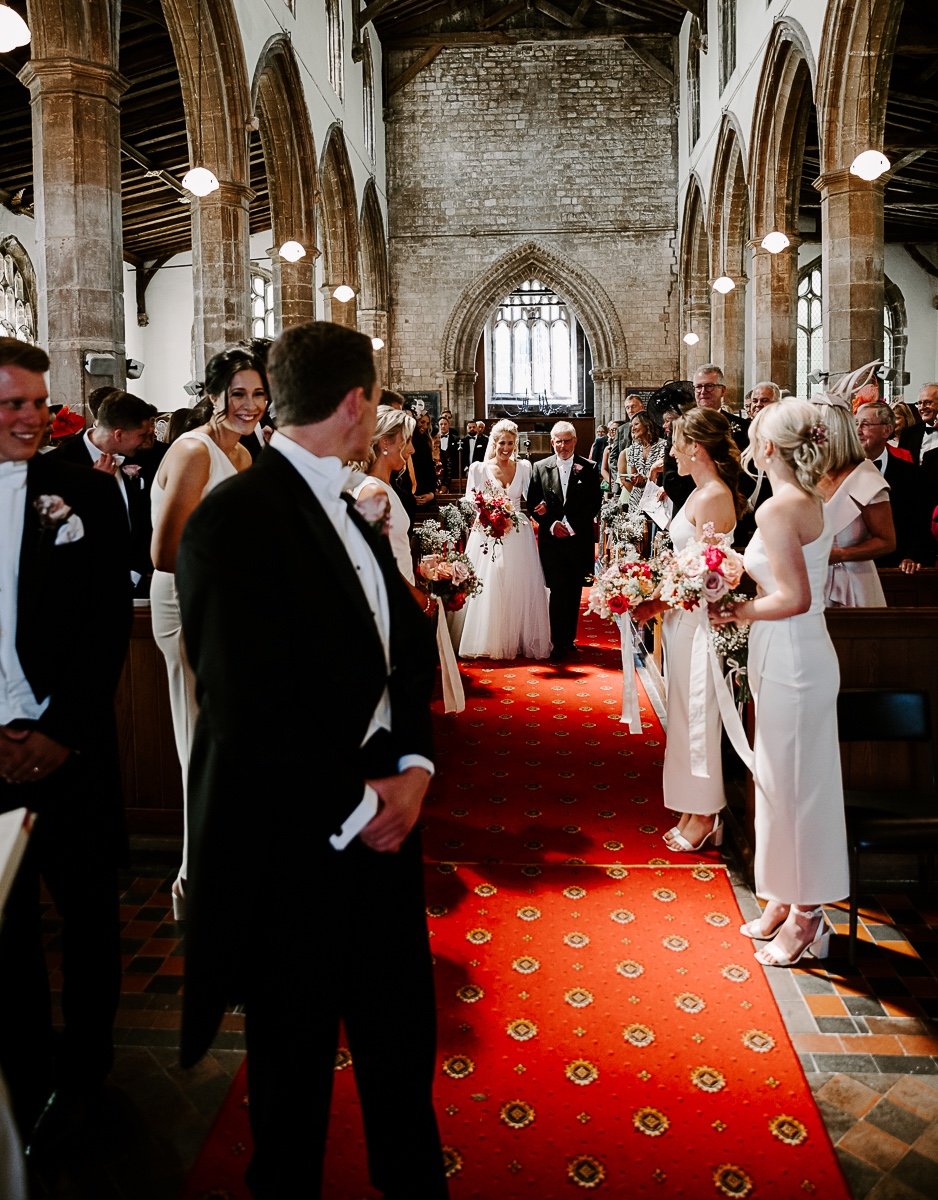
(509, 618)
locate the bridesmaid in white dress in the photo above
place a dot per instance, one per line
(509, 618)
(801, 842)
(858, 510)
(197, 461)
(703, 447)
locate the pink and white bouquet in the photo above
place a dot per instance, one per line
(622, 585)
(706, 571)
(496, 515)
(450, 577)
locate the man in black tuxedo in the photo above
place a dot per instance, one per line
(64, 550)
(303, 933)
(709, 392)
(472, 447)
(564, 496)
(123, 427)
(875, 426)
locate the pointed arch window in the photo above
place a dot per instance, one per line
(368, 97)
(335, 34)
(532, 346)
(262, 305)
(726, 17)
(693, 84)
(17, 303)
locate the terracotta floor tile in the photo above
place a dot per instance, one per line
(873, 1145)
(826, 1005)
(919, 1044)
(849, 1095)
(867, 1043)
(923, 986)
(927, 1144)
(818, 1043)
(904, 1008)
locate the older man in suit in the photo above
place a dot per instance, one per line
(564, 495)
(64, 549)
(875, 426)
(283, 915)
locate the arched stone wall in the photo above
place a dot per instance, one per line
(290, 157)
(220, 221)
(729, 236)
(339, 225)
(853, 80)
(695, 279)
(591, 306)
(780, 120)
(373, 275)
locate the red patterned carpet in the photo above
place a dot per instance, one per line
(603, 1026)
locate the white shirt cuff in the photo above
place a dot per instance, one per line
(416, 760)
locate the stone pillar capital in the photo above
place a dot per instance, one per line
(841, 180)
(755, 244)
(228, 194)
(45, 76)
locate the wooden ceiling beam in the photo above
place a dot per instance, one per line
(506, 37)
(553, 12)
(411, 72)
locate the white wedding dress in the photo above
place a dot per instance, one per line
(509, 618)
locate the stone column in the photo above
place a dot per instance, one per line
(852, 263)
(79, 261)
(295, 286)
(374, 323)
(728, 337)
(459, 396)
(221, 274)
(775, 315)
(603, 406)
(337, 311)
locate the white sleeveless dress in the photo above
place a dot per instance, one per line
(801, 840)
(509, 618)
(692, 718)
(167, 629)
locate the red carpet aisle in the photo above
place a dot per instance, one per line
(603, 1027)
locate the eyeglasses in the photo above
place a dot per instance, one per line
(869, 424)
(707, 387)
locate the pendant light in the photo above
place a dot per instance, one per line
(200, 181)
(13, 29)
(776, 241)
(690, 338)
(343, 293)
(292, 251)
(377, 343)
(723, 284)
(869, 164)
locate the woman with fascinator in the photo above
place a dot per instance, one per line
(856, 498)
(801, 841)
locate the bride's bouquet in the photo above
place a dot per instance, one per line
(496, 515)
(450, 577)
(623, 584)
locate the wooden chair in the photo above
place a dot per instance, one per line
(898, 820)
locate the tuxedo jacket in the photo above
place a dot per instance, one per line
(257, 818)
(575, 556)
(478, 453)
(910, 513)
(137, 487)
(73, 624)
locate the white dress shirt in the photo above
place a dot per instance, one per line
(16, 696)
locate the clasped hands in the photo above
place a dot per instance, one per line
(401, 797)
(28, 756)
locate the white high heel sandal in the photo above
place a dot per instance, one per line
(818, 948)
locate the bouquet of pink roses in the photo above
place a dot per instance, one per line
(622, 585)
(450, 577)
(495, 514)
(706, 570)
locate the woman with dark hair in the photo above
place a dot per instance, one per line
(197, 461)
(423, 461)
(642, 459)
(704, 449)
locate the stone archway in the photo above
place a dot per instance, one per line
(591, 306)
(290, 156)
(781, 117)
(220, 95)
(855, 64)
(373, 275)
(729, 235)
(695, 280)
(339, 226)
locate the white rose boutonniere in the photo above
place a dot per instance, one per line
(376, 510)
(132, 471)
(55, 514)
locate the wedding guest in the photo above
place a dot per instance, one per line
(642, 460)
(600, 442)
(403, 481)
(856, 497)
(423, 461)
(347, 667)
(474, 444)
(65, 547)
(509, 618)
(925, 436)
(874, 426)
(197, 461)
(905, 419)
(801, 844)
(446, 452)
(705, 452)
(564, 495)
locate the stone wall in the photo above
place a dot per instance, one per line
(567, 146)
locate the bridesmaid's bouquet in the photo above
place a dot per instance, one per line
(450, 577)
(623, 584)
(496, 515)
(707, 571)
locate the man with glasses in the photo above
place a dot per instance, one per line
(928, 411)
(709, 391)
(875, 425)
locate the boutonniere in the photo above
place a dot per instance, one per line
(132, 471)
(577, 468)
(375, 510)
(55, 514)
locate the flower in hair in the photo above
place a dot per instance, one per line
(818, 434)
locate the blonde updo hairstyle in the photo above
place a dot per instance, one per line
(710, 429)
(388, 422)
(500, 427)
(843, 448)
(800, 435)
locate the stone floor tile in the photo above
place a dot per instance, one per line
(920, 1065)
(846, 1063)
(861, 1177)
(850, 1095)
(927, 1146)
(896, 1120)
(890, 1188)
(796, 1017)
(915, 1093)
(917, 1171)
(874, 1146)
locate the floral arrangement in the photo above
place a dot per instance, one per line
(457, 518)
(450, 577)
(496, 515)
(731, 642)
(624, 525)
(623, 584)
(706, 570)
